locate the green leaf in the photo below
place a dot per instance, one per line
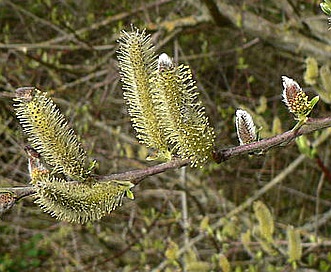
(129, 194)
(313, 102)
(326, 7)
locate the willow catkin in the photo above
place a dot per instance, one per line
(49, 133)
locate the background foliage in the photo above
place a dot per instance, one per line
(68, 48)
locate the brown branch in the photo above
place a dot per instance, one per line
(21, 192)
(311, 125)
(215, 13)
(136, 176)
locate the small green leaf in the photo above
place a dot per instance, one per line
(129, 194)
(326, 7)
(313, 102)
(305, 147)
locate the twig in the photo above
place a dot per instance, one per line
(32, 46)
(34, 17)
(311, 125)
(324, 169)
(136, 176)
(54, 43)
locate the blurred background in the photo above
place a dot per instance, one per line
(186, 219)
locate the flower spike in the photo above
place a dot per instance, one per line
(296, 100)
(293, 96)
(163, 102)
(137, 63)
(49, 133)
(246, 131)
(181, 113)
(164, 63)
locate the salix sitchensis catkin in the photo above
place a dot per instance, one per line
(295, 99)
(78, 202)
(163, 102)
(245, 127)
(49, 133)
(137, 63)
(181, 114)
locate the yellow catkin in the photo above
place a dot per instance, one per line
(276, 126)
(295, 99)
(163, 102)
(182, 116)
(325, 92)
(79, 202)
(224, 263)
(49, 133)
(265, 219)
(294, 244)
(137, 63)
(311, 73)
(172, 250)
(246, 240)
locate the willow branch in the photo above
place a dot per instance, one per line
(20, 192)
(220, 156)
(311, 125)
(136, 176)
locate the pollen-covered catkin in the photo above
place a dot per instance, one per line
(295, 99)
(79, 202)
(181, 113)
(49, 133)
(137, 63)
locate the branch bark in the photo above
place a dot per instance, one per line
(311, 125)
(220, 156)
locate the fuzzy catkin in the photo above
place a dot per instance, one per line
(181, 113)
(137, 63)
(79, 202)
(49, 133)
(245, 127)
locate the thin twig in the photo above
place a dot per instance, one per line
(136, 176)
(311, 125)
